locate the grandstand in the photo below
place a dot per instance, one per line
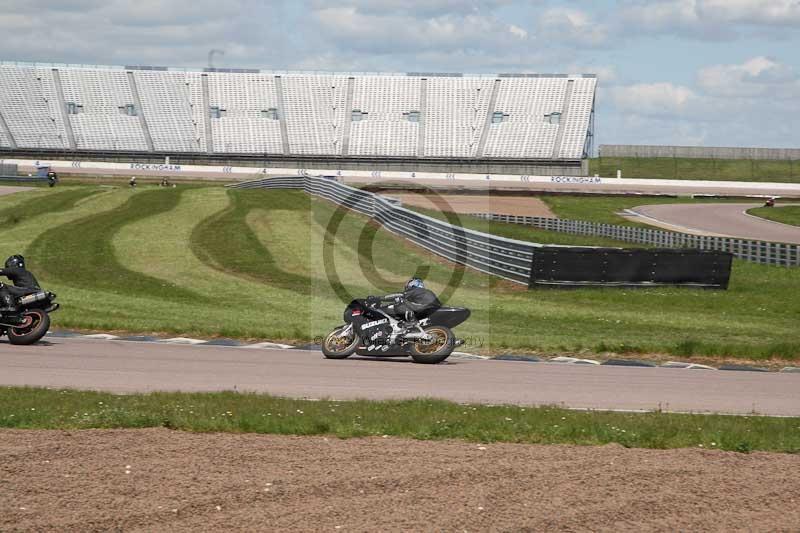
(532, 120)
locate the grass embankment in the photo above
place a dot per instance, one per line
(518, 231)
(697, 169)
(207, 261)
(28, 408)
(789, 214)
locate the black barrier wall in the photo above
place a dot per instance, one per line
(618, 267)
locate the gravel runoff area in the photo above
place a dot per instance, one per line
(474, 203)
(4, 189)
(159, 479)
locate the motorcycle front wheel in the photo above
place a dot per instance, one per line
(35, 324)
(441, 344)
(340, 344)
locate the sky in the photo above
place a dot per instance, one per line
(682, 72)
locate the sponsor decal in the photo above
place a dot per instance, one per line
(575, 179)
(356, 312)
(156, 167)
(375, 323)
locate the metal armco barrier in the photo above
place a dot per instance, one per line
(762, 252)
(21, 179)
(506, 258)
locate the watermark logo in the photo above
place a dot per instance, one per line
(441, 237)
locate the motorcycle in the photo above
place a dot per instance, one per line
(385, 331)
(33, 321)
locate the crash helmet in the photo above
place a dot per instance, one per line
(414, 283)
(15, 261)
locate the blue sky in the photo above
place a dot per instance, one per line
(687, 72)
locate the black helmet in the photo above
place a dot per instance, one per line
(415, 283)
(15, 261)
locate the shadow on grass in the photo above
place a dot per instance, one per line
(80, 253)
(43, 204)
(226, 242)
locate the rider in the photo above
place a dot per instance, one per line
(14, 270)
(416, 298)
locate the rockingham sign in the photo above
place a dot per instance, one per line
(481, 181)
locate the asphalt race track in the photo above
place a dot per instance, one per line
(4, 189)
(729, 220)
(127, 366)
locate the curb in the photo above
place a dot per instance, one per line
(564, 360)
(230, 343)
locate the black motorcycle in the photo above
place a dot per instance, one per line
(33, 321)
(385, 331)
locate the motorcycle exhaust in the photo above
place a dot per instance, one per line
(32, 298)
(417, 336)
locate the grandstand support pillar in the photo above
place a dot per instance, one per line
(488, 123)
(423, 107)
(563, 120)
(282, 116)
(207, 115)
(348, 119)
(62, 104)
(137, 102)
(5, 129)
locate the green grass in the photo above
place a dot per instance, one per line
(32, 205)
(789, 214)
(697, 169)
(88, 242)
(30, 408)
(260, 264)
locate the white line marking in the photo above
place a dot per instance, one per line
(268, 346)
(183, 340)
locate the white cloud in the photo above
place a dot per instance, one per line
(767, 12)
(656, 99)
(419, 8)
(756, 77)
(707, 19)
(517, 31)
(572, 26)
(403, 32)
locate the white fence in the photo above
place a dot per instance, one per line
(768, 253)
(506, 258)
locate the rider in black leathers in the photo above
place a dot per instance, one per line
(417, 299)
(413, 300)
(22, 278)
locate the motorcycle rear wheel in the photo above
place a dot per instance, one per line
(337, 347)
(439, 348)
(36, 324)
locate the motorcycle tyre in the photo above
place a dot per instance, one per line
(33, 335)
(439, 355)
(340, 354)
